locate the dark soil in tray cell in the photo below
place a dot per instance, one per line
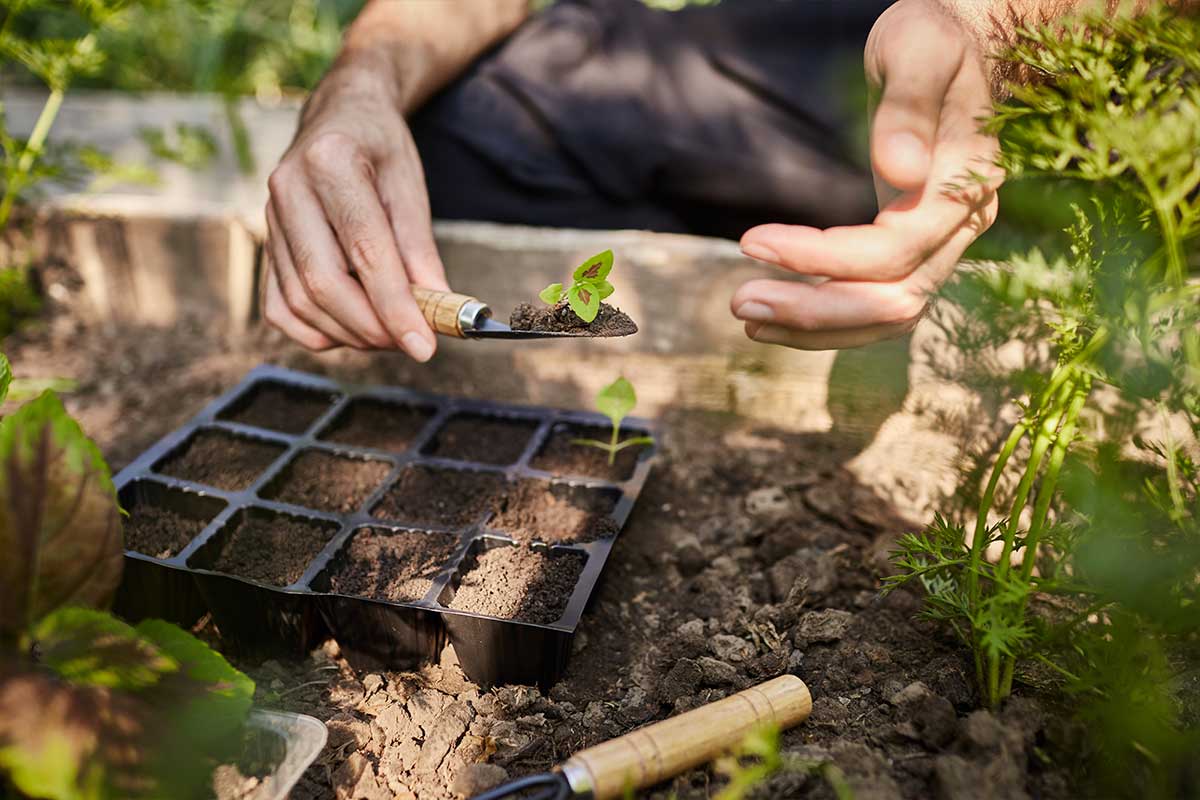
(279, 407)
(448, 497)
(391, 565)
(378, 424)
(327, 482)
(555, 513)
(560, 318)
(272, 548)
(159, 532)
(486, 440)
(220, 459)
(561, 457)
(519, 583)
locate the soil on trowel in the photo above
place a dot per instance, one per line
(222, 460)
(159, 532)
(378, 424)
(486, 440)
(516, 582)
(560, 318)
(555, 513)
(561, 456)
(327, 482)
(279, 408)
(447, 497)
(391, 565)
(273, 549)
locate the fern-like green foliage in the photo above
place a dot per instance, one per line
(1081, 531)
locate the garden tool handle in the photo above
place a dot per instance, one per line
(448, 313)
(659, 751)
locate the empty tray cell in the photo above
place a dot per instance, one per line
(327, 482)
(265, 546)
(163, 520)
(279, 407)
(561, 456)
(480, 438)
(556, 512)
(378, 424)
(385, 564)
(515, 582)
(220, 459)
(452, 498)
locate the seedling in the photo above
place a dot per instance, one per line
(589, 288)
(615, 401)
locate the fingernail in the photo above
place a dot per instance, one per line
(760, 251)
(750, 311)
(417, 346)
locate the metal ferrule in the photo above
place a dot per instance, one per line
(471, 314)
(578, 778)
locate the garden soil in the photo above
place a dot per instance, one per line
(561, 318)
(486, 440)
(449, 498)
(274, 549)
(752, 552)
(383, 426)
(159, 532)
(327, 482)
(391, 565)
(516, 582)
(561, 456)
(222, 460)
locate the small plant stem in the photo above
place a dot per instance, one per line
(1041, 508)
(985, 506)
(33, 148)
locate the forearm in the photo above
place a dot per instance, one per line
(405, 50)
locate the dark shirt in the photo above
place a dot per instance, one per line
(718, 116)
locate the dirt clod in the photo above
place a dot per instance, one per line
(609, 321)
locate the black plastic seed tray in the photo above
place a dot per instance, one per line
(277, 506)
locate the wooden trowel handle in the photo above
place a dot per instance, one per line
(444, 311)
(659, 751)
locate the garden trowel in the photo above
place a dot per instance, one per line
(465, 317)
(657, 752)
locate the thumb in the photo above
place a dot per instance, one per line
(911, 59)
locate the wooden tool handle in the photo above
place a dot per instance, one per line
(442, 310)
(657, 752)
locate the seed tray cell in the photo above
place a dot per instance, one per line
(295, 507)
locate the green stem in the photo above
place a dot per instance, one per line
(985, 506)
(612, 448)
(1041, 508)
(33, 148)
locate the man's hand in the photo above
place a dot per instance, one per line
(348, 223)
(925, 142)
(349, 228)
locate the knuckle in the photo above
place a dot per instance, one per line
(902, 307)
(364, 252)
(330, 149)
(320, 286)
(280, 180)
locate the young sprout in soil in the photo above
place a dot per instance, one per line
(589, 288)
(615, 401)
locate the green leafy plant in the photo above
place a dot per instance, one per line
(1078, 532)
(90, 707)
(615, 401)
(759, 757)
(589, 286)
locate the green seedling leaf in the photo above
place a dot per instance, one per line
(60, 528)
(605, 289)
(616, 400)
(551, 294)
(595, 269)
(5, 376)
(584, 299)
